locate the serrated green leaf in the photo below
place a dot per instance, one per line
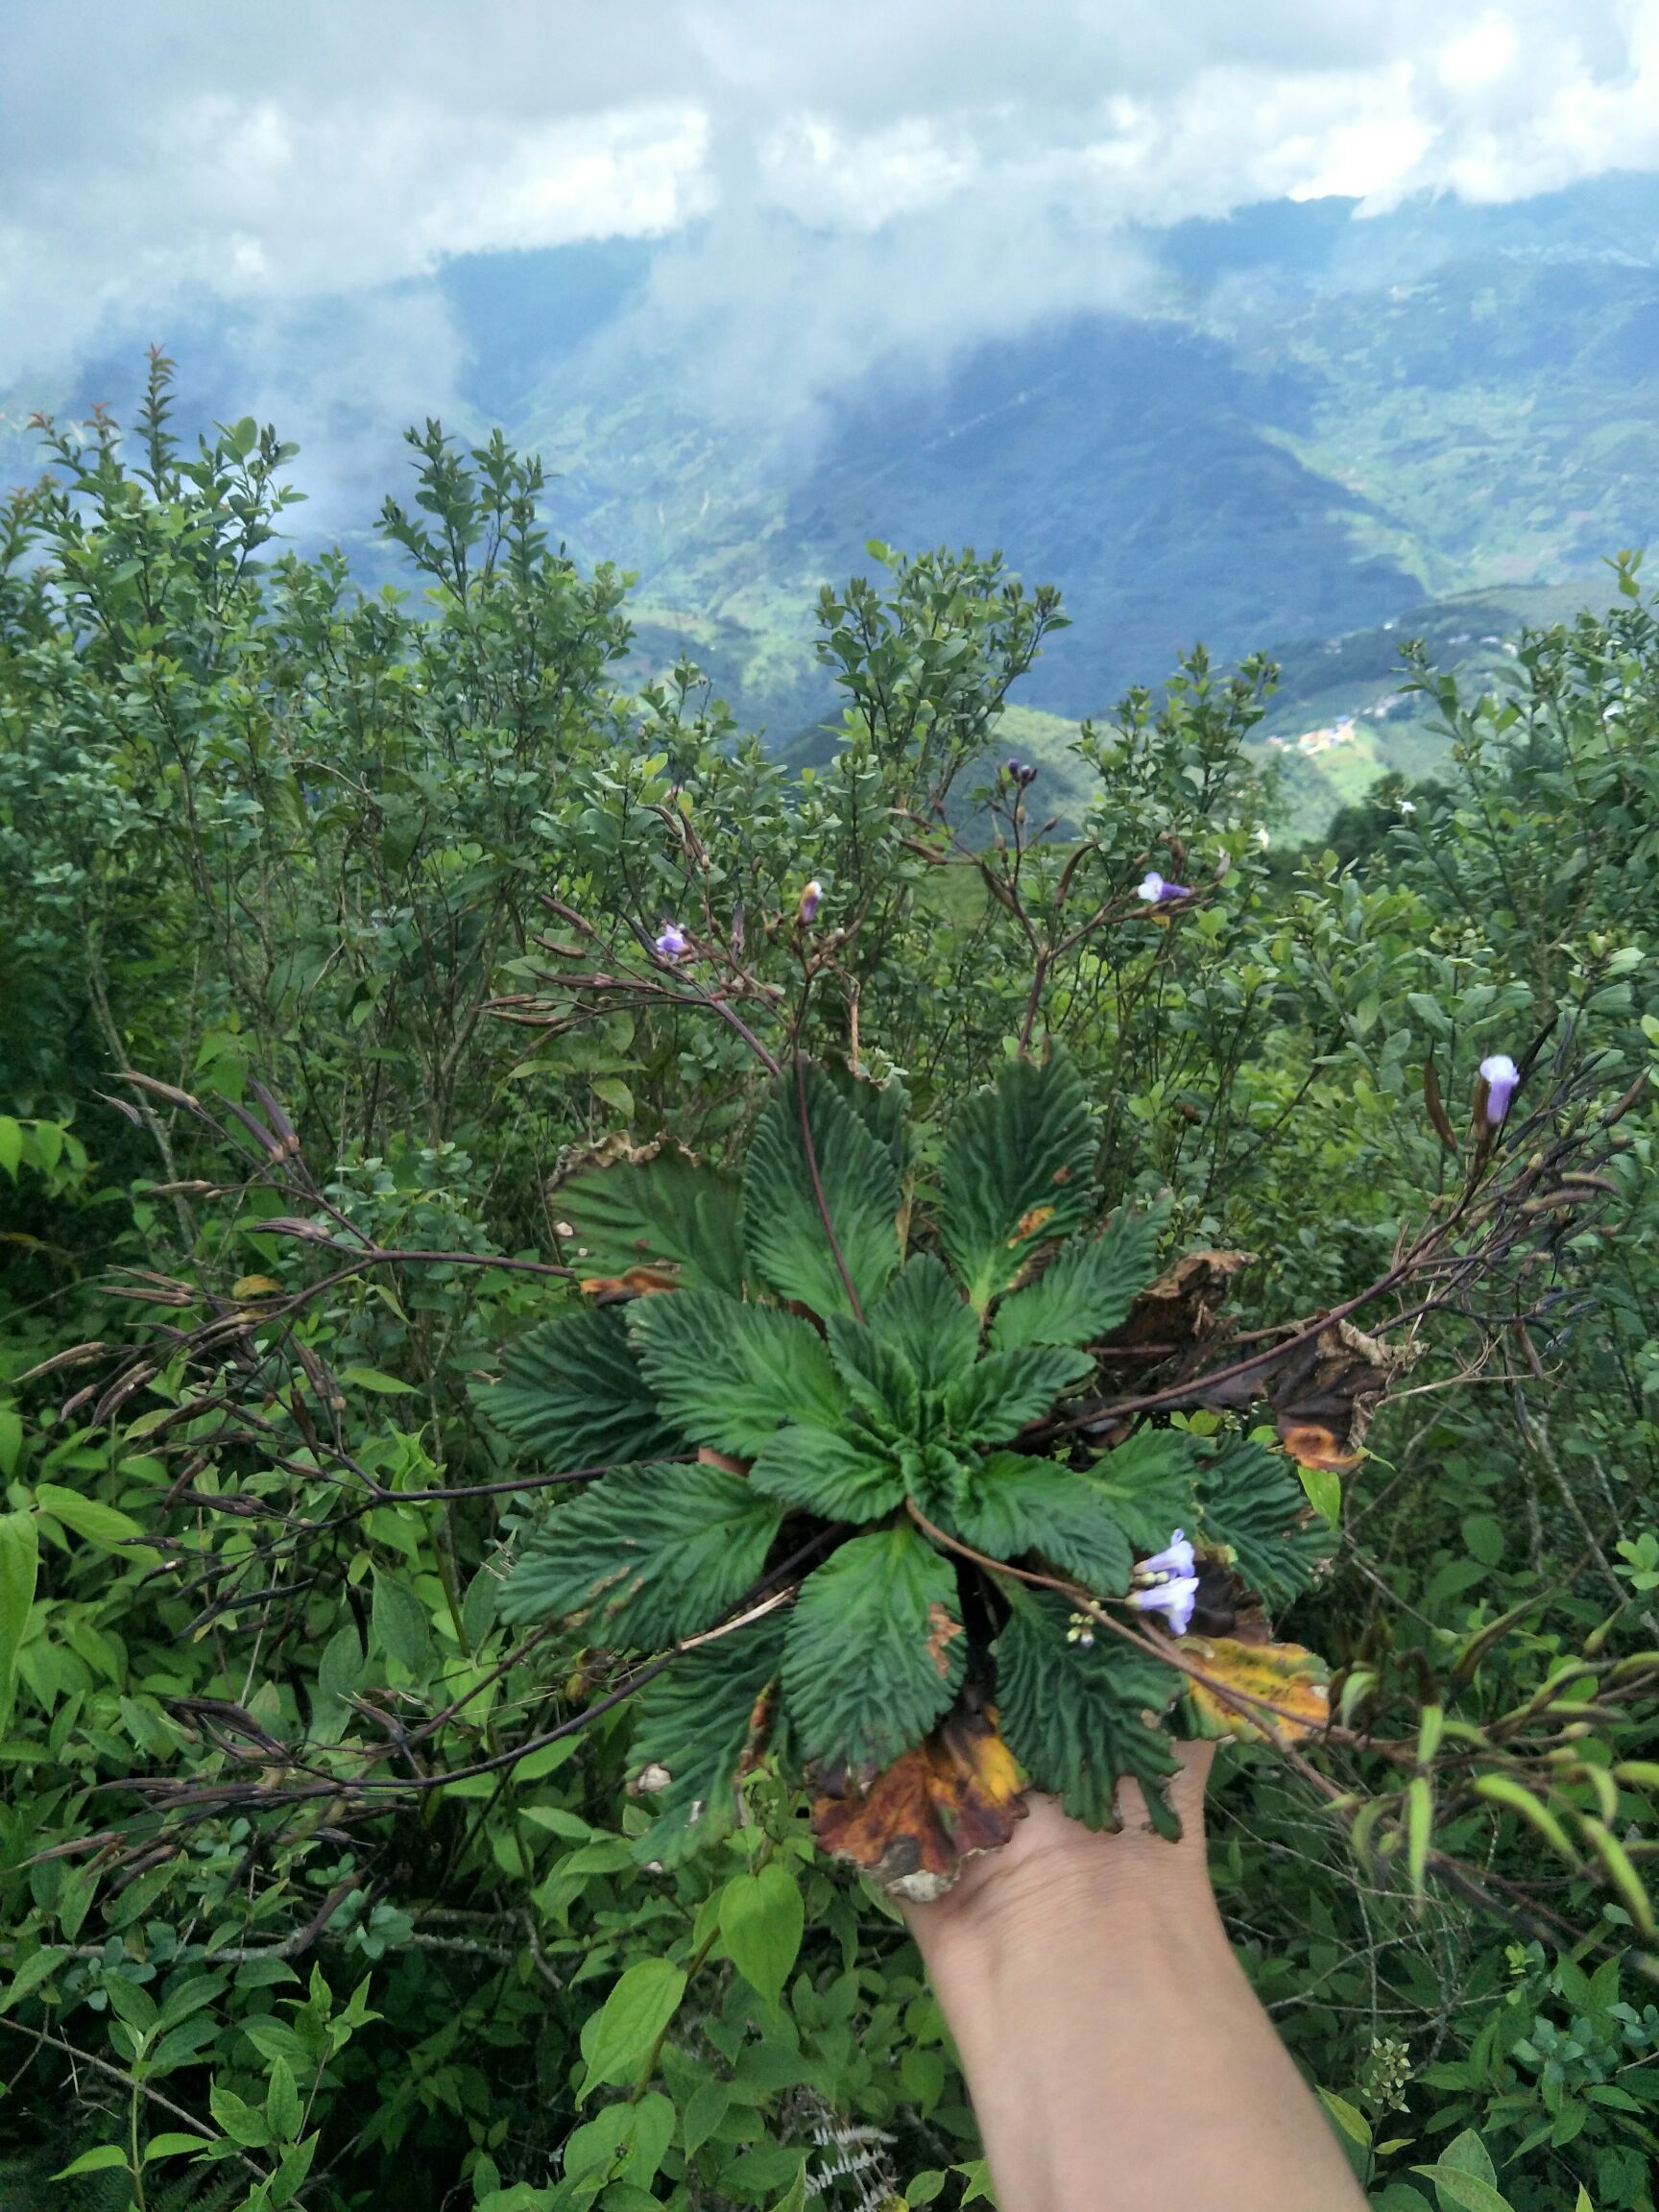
(1001, 1392)
(924, 1316)
(1071, 1712)
(400, 1622)
(1250, 1499)
(727, 1374)
(1014, 1506)
(841, 1476)
(572, 1393)
(762, 1919)
(1086, 1288)
(666, 1210)
(693, 1721)
(879, 1378)
(873, 1652)
(1016, 1170)
(1145, 1484)
(881, 1107)
(649, 1554)
(785, 1231)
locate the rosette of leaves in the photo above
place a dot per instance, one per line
(819, 1474)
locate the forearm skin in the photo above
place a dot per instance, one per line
(1115, 2051)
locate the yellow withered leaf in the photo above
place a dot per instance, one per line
(1283, 1676)
(256, 1286)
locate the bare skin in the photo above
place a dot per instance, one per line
(1115, 2051)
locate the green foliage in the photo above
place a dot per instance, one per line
(1073, 1712)
(646, 1555)
(874, 1652)
(359, 1766)
(820, 1194)
(1016, 1171)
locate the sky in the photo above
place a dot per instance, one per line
(826, 184)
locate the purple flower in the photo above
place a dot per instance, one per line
(1176, 1558)
(1155, 889)
(673, 943)
(1165, 1583)
(807, 909)
(1174, 1600)
(1022, 773)
(1500, 1074)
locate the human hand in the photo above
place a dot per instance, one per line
(1053, 1866)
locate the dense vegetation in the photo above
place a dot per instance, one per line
(412, 1039)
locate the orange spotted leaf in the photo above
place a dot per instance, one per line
(957, 1794)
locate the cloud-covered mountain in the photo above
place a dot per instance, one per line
(1302, 421)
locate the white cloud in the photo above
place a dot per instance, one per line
(834, 182)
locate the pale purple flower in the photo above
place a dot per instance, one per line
(1176, 1558)
(1155, 889)
(1500, 1074)
(1174, 1600)
(673, 943)
(1165, 1583)
(806, 911)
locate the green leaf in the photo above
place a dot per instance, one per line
(1016, 1171)
(762, 1919)
(727, 1374)
(1146, 1483)
(794, 2197)
(1001, 1393)
(100, 1525)
(880, 1379)
(103, 2160)
(572, 1394)
(1468, 2154)
(1462, 2192)
(371, 1379)
(400, 1622)
(11, 1440)
(873, 1652)
(292, 2170)
(1088, 1287)
(704, 2112)
(10, 1146)
(175, 2145)
(1071, 1712)
(923, 1315)
(282, 2108)
(1017, 1505)
(620, 2037)
(693, 1721)
(1251, 1500)
(649, 1554)
(665, 1211)
(843, 1477)
(783, 1222)
(20, 1546)
(340, 1670)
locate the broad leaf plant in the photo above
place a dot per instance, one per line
(825, 1427)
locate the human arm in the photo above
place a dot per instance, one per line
(1115, 2051)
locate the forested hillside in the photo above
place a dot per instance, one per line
(597, 1322)
(1289, 425)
